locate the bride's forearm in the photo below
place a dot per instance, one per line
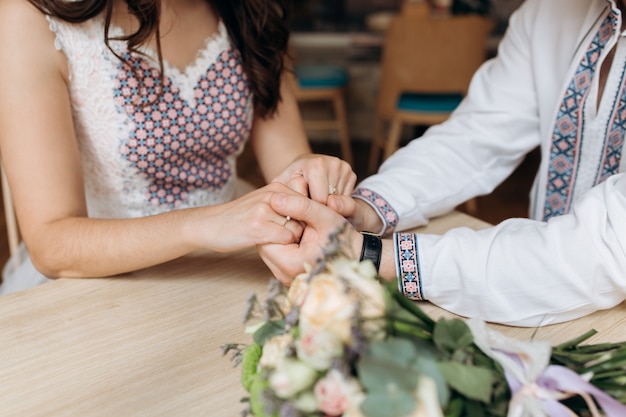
(84, 247)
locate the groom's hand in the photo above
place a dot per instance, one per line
(287, 261)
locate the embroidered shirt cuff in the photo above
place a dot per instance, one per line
(407, 265)
(386, 213)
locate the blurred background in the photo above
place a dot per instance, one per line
(370, 75)
(342, 43)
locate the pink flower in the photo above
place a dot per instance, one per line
(335, 393)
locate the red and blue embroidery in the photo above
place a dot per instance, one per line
(566, 136)
(180, 146)
(407, 265)
(385, 211)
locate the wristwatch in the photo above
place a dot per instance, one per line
(372, 248)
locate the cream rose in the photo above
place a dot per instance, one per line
(328, 306)
(361, 278)
(298, 290)
(274, 350)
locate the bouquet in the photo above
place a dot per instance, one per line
(341, 343)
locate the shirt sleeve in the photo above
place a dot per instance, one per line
(478, 147)
(382, 208)
(525, 272)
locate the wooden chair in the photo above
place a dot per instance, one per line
(13, 233)
(427, 64)
(325, 83)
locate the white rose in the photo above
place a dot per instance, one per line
(306, 402)
(291, 377)
(353, 270)
(274, 350)
(318, 348)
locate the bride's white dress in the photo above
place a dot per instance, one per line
(138, 160)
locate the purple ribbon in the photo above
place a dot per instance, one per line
(563, 380)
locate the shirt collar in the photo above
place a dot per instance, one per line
(617, 16)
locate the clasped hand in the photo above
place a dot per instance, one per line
(318, 201)
(252, 221)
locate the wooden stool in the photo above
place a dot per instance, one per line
(325, 83)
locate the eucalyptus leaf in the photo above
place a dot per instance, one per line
(397, 351)
(430, 368)
(268, 330)
(388, 404)
(378, 375)
(425, 349)
(471, 381)
(451, 335)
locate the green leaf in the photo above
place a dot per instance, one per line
(451, 335)
(257, 401)
(475, 409)
(409, 305)
(471, 381)
(430, 368)
(249, 362)
(268, 330)
(382, 375)
(390, 387)
(455, 408)
(397, 351)
(392, 403)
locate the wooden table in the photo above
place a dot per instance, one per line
(147, 343)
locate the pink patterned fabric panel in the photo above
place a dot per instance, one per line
(407, 265)
(385, 211)
(180, 146)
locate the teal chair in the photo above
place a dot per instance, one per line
(427, 65)
(325, 83)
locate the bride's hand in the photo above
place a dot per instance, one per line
(326, 179)
(287, 261)
(248, 221)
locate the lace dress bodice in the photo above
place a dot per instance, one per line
(148, 147)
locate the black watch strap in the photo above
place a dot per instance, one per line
(372, 248)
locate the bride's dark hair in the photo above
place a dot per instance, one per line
(259, 30)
